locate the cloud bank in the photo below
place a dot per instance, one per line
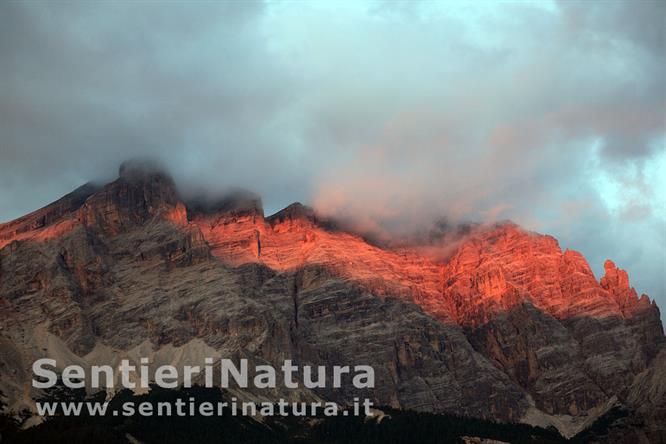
(391, 114)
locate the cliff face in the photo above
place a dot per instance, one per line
(510, 327)
(541, 316)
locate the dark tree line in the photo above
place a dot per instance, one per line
(396, 428)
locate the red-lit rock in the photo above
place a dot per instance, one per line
(508, 326)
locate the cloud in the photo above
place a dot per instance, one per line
(391, 114)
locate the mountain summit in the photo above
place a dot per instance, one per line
(509, 327)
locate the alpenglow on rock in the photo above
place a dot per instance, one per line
(509, 327)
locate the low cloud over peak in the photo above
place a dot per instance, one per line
(392, 113)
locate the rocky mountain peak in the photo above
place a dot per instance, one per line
(615, 278)
(236, 202)
(508, 326)
(141, 170)
(295, 211)
(616, 283)
(142, 191)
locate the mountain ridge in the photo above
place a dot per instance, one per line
(510, 327)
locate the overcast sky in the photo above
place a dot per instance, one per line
(550, 114)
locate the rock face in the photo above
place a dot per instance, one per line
(539, 314)
(509, 327)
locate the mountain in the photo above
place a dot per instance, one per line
(508, 327)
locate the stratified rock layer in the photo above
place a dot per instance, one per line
(509, 327)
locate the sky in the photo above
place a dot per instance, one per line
(388, 114)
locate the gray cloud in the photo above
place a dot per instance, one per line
(392, 114)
